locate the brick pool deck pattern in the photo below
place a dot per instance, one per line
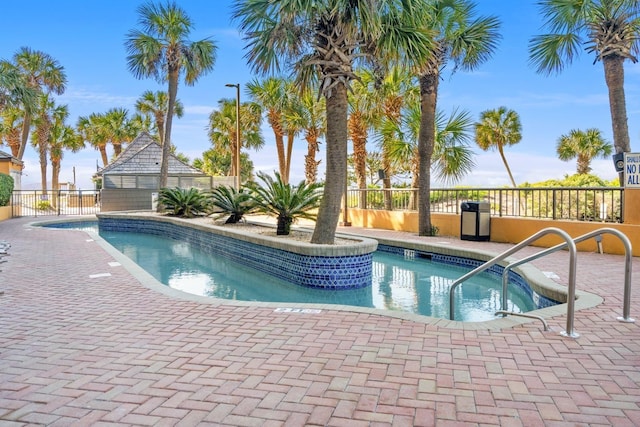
(82, 342)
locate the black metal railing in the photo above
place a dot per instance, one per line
(62, 202)
(603, 204)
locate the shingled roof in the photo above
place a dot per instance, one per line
(142, 157)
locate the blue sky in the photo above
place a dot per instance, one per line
(87, 38)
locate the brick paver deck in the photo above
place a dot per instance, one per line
(79, 347)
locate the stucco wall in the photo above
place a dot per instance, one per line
(503, 229)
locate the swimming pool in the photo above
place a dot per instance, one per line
(403, 282)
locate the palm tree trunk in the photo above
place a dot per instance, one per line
(310, 162)
(26, 126)
(336, 169)
(55, 179)
(103, 154)
(506, 165)
(426, 143)
(614, 76)
(42, 150)
(358, 132)
(166, 146)
(290, 138)
(274, 120)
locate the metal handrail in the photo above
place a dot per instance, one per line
(571, 295)
(626, 306)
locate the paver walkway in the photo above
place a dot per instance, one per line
(79, 347)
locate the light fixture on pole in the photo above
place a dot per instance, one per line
(238, 139)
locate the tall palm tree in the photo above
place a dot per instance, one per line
(321, 39)
(42, 74)
(362, 113)
(452, 157)
(393, 91)
(270, 94)
(43, 122)
(155, 104)
(607, 28)
(222, 128)
(307, 112)
(161, 50)
(467, 41)
(583, 145)
(497, 129)
(92, 130)
(63, 137)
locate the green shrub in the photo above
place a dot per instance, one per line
(232, 202)
(43, 205)
(184, 203)
(6, 188)
(287, 202)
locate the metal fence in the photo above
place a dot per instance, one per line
(603, 204)
(62, 202)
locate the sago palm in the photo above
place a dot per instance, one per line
(232, 202)
(285, 201)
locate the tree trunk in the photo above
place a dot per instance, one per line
(26, 126)
(275, 121)
(42, 151)
(358, 132)
(336, 168)
(426, 143)
(614, 76)
(290, 138)
(55, 179)
(310, 162)
(166, 146)
(506, 165)
(103, 154)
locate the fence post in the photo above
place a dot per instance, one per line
(80, 201)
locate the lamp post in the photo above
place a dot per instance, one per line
(238, 139)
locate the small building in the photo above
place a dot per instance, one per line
(11, 166)
(130, 181)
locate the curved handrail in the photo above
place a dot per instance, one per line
(571, 296)
(627, 274)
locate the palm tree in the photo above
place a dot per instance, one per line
(270, 94)
(363, 112)
(465, 40)
(222, 128)
(14, 90)
(607, 28)
(92, 130)
(321, 39)
(42, 74)
(155, 105)
(583, 145)
(43, 122)
(307, 112)
(162, 50)
(499, 128)
(11, 128)
(452, 157)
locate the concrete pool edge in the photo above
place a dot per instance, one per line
(584, 299)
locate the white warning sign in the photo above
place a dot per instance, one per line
(632, 170)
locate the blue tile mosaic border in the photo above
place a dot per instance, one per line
(322, 272)
(540, 301)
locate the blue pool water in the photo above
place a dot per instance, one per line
(399, 283)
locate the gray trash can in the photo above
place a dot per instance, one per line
(475, 221)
